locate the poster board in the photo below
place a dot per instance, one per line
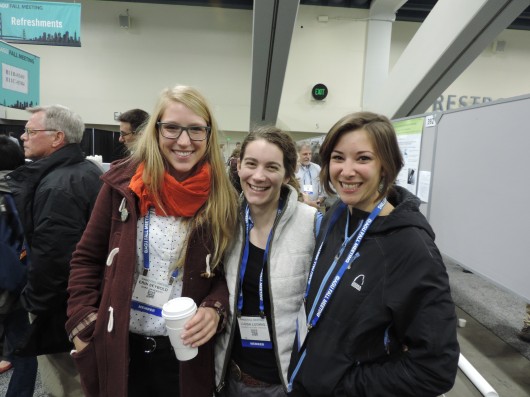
(421, 129)
(479, 191)
(409, 132)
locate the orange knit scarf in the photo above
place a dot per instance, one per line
(182, 199)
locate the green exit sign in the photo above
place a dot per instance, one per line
(319, 92)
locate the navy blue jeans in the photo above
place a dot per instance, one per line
(22, 383)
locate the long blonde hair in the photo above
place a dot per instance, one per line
(219, 214)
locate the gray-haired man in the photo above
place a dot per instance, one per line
(54, 195)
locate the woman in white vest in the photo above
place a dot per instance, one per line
(266, 270)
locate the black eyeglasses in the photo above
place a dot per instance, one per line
(125, 133)
(173, 131)
(31, 131)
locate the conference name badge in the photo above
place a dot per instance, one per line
(150, 295)
(254, 332)
(308, 189)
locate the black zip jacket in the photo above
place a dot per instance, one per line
(390, 327)
(54, 197)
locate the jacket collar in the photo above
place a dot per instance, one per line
(32, 173)
(290, 197)
(119, 175)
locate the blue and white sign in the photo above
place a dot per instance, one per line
(40, 22)
(20, 77)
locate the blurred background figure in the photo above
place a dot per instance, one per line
(308, 176)
(232, 169)
(11, 136)
(13, 278)
(131, 123)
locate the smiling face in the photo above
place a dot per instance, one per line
(262, 174)
(182, 154)
(355, 170)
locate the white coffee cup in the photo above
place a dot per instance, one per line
(177, 312)
(462, 322)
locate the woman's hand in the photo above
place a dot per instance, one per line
(79, 344)
(201, 327)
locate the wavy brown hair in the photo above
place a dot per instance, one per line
(284, 142)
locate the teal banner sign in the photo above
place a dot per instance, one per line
(40, 22)
(20, 77)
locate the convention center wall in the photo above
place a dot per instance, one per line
(116, 69)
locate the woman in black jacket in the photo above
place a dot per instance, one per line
(379, 319)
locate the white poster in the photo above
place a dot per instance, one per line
(409, 140)
(424, 186)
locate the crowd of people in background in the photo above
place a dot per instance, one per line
(298, 258)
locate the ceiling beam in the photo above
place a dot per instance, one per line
(273, 25)
(446, 43)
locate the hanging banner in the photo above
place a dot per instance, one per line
(409, 139)
(40, 22)
(20, 77)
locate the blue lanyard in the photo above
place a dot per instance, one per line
(308, 169)
(244, 261)
(336, 214)
(145, 248)
(313, 318)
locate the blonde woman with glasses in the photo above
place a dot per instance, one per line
(164, 216)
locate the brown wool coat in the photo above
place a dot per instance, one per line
(106, 289)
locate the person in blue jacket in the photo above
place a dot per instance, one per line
(13, 268)
(379, 319)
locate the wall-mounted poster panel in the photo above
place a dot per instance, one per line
(20, 77)
(409, 133)
(40, 22)
(479, 191)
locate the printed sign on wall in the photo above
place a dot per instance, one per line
(20, 77)
(409, 139)
(40, 22)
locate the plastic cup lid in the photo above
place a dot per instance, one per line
(179, 308)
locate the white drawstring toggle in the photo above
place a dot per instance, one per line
(110, 325)
(208, 272)
(124, 214)
(111, 256)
